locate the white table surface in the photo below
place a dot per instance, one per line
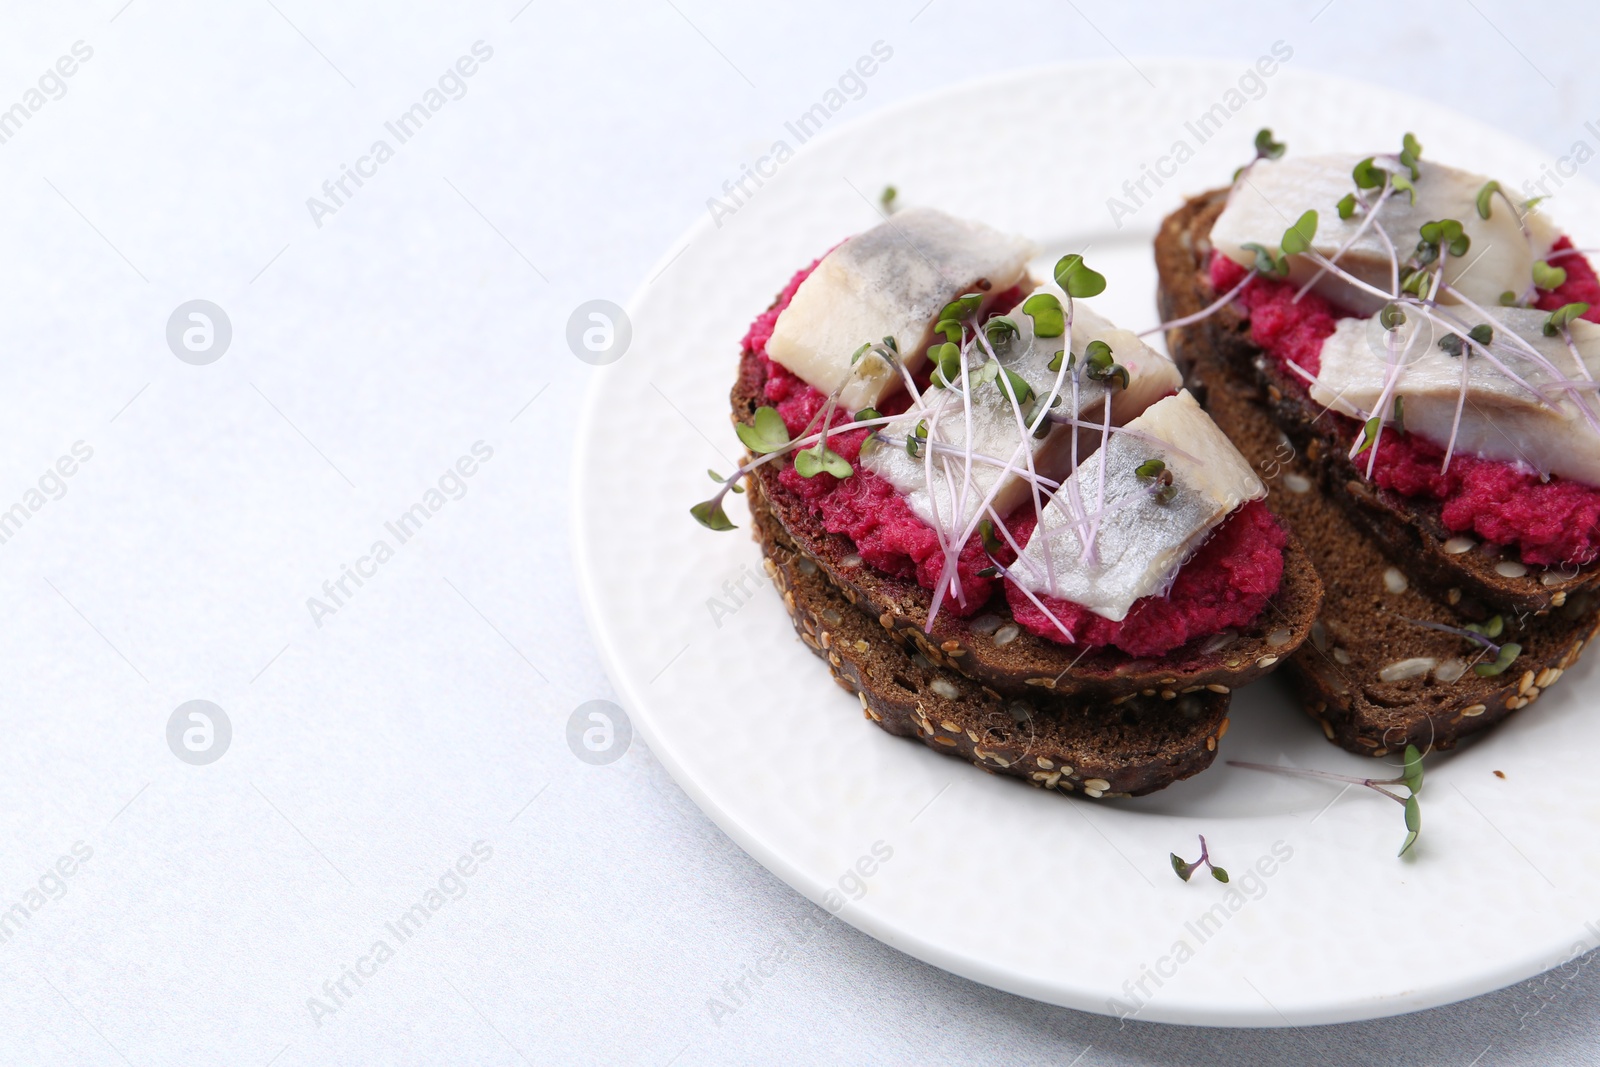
(428, 714)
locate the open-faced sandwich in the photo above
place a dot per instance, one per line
(1000, 518)
(1407, 351)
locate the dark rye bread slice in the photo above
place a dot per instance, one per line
(992, 649)
(1363, 629)
(1483, 579)
(1068, 744)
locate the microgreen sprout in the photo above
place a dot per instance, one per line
(1561, 316)
(1298, 238)
(1410, 154)
(1073, 275)
(1485, 195)
(887, 198)
(1186, 870)
(946, 359)
(1347, 206)
(915, 438)
(1012, 384)
(1410, 777)
(991, 543)
(1049, 320)
(1547, 277)
(1154, 474)
(1482, 634)
(1267, 262)
(766, 434)
(1367, 175)
(1437, 236)
(719, 479)
(1266, 147)
(1001, 329)
(810, 462)
(1369, 435)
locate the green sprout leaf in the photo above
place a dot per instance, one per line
(1411, 839)
(856, 356)
(1413, 771)
(962, 306)
(709, 513)
(1452, 344)
(1411, 155)
(946, 364)
(1398, 414)
(991, 543)
(951, 330)
(1482, 333)
(1417, 282)
(887, 198)
(985, 374)
(1413, 814)
(867, 415)
(989, 572)
(1347, 205)
(1392, 317)
(1547, 277)
(1267, 263)
(1485, 196)
(1298, 238)
(1508, 655)
(1266, 147)
(1155, 472)
(1014, 385)
(1529, 205)
(1561, 316)
(810, 462)
(1493, 628)
(1219, 873)
(1001, 329)
(1508, 299)
(1402, 183)
(1073, 275)
(767, 434)
(1183, 869)
(1366, 175)
(1049, 320)
(1369, 434)
(915, 438)
(719, 479)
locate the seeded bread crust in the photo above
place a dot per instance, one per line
(1409, 529)
(1363, 629)
(1027, 664)
(1064, 744)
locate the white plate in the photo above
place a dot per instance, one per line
(1064, 900)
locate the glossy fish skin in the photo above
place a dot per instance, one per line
(1141, 541)
(889, 281)
(1274, 193)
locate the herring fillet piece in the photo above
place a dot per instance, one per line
(1500, 419)
(1275, 193)
(954, 501)
(889, 281)
(1141, 542)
